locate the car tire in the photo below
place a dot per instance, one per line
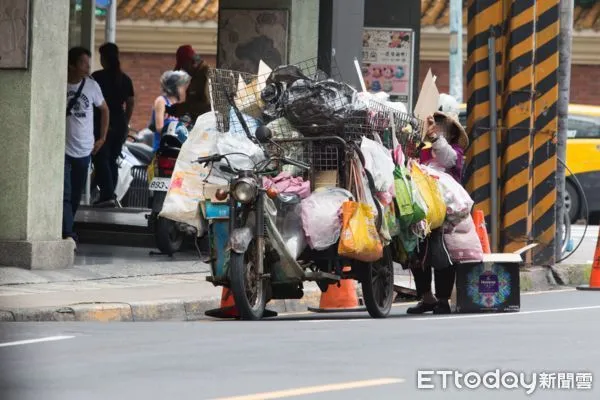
(572, 201)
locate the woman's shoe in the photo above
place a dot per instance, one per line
(442, 307)
(421, 308)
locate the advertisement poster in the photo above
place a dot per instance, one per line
(387, 62)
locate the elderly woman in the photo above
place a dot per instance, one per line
(174, 85)
(448, 143)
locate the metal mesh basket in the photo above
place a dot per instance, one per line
(245, 90)
(382, 120)
(326, 158)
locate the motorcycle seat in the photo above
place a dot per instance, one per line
(141, 151)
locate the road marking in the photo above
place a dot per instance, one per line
(548, 291)
(316, 389)
(313, 321)
(510, 313)
(30, 341)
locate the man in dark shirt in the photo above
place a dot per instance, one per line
(197, 100)
(117, 89)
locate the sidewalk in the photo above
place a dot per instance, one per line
(124, 284)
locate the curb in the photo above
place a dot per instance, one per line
(145, 311)
(531, 279)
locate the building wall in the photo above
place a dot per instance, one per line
(585, 81)
(145, 70)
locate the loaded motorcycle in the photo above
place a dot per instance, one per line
(249, 233)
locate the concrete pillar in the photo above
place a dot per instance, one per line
(303, 24)
(32, 105)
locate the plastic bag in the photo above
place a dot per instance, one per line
(235, 125)
(458, 202)
(186, 190)
(277, 83)
(321, 218)
(317, 107)
(430, 192)
(227, 143)
(404, 198)
(290, 227)
(378, 161)
(282, 129)
(359, 238)
(462, 241)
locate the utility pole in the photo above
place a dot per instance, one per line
(111, 22)
(564, 83)
(456, 58)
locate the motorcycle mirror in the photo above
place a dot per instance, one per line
(263, 134)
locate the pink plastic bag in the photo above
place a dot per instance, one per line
(462, 241)
(286, 183)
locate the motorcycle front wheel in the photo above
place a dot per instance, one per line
(378, 286)
(248, 287)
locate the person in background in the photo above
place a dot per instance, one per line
(448, 143)
(83, 94)
(174, 85)
(197, 99)
(117, 89)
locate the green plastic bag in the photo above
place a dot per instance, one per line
(409, 211)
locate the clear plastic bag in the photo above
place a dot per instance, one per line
(227, 143)
(379, 162)
(321, 216)
(457, 199)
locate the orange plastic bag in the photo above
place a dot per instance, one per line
(359, 239)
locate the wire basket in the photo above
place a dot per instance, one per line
(378, 119)
(326, 158)
(246, 91)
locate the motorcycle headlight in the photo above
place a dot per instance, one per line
(245, 190)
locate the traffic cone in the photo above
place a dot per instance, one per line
(595, 275)
(479, 220)
(227, 309)
(342, 298)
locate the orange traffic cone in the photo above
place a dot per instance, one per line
(340, 298)
(479, 220)
(595, 275)
(227, 309)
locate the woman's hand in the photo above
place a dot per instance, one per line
(431, 129)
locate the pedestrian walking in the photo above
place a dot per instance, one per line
(117, 89)
(83, 93)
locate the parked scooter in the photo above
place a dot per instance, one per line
(169, 235)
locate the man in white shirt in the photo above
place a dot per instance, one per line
(83, 93)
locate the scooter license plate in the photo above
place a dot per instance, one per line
(160, 184)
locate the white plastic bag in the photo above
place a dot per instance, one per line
(231, 143)
(187, 182)
(457, 199)
(321, 216)
(379, 162)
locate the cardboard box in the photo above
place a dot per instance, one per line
(489, 286)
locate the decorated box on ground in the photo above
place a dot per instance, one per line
(489, 286)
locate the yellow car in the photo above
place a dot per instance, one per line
(583, 158)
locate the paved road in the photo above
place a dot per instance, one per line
(302, 356)
(585, 253)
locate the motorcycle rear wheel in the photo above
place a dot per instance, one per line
(249, 289)
(169, 238)
(378, 286)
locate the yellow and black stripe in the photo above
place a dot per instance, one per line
(527, 67)
(518, 121)
(484, 16)
(546, 126)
